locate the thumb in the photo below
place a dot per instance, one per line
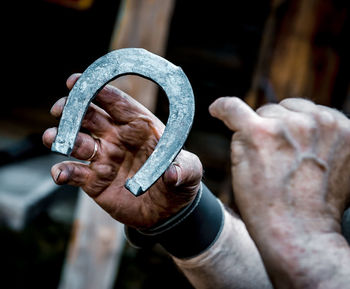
(185, 172)
(235, 113)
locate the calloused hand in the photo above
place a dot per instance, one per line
(291, 178)
(126, 133)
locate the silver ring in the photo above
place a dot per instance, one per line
(95, 151)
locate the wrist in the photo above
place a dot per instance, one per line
(313, 261)
(302, 254)
(188, 233)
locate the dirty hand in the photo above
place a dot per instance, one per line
(125, 133)
(290, 172)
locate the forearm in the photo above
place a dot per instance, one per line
(232, 262)
(306, 260)
(211, 246)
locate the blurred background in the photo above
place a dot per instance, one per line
(261, 51)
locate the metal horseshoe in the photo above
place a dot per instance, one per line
(140, 62)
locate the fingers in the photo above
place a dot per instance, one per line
(324, 115)
(236, 114)
(84, 146)
(92, 180)
(71, 80)
(57, 108)
(298, 105)
(71, 173)
(185, 170)
(272, 111)
(96, 120)
(308, 107)
(120, 106)
(335, 113)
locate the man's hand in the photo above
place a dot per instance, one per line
(126, 133)
(290, 170)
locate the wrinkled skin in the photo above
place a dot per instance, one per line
(126, 134)
(290, 171)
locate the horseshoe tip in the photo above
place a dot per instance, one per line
(61, 149)
(134, 187)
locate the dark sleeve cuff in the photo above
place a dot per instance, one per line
(193, 230)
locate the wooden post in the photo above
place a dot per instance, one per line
(95, 248)
(299, 56)
(142, 24)
(97, 240)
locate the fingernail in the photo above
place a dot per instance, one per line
(57, 175)
(172, 175)
(178, 172)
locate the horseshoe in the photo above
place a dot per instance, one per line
(139, 62)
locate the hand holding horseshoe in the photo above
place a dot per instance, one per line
(123, 134)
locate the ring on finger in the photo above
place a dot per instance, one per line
(94, 152)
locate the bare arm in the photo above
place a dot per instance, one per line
(232, 262)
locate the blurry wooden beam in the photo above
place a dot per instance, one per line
(75, 4)
(299, 55)
(97, 240)
(144, 24)
(257, 94)
(95, 248)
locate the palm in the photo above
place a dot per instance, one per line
(116, 166)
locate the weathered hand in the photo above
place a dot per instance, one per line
(126, 134)
(290, 170)
(292, 158)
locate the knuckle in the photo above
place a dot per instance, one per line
(270, 128)
(226, 104)
(288, 101)
(78, 143)
(90, 116)
(194, 159)
(137, 131)
(305, 125)
(141, 125)
(49, 135)
(105, 171)
(343, 128)
(265, 108)
(326, 119)
(197, 163)
(266, 132)
(346, 134)
(298, 101)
